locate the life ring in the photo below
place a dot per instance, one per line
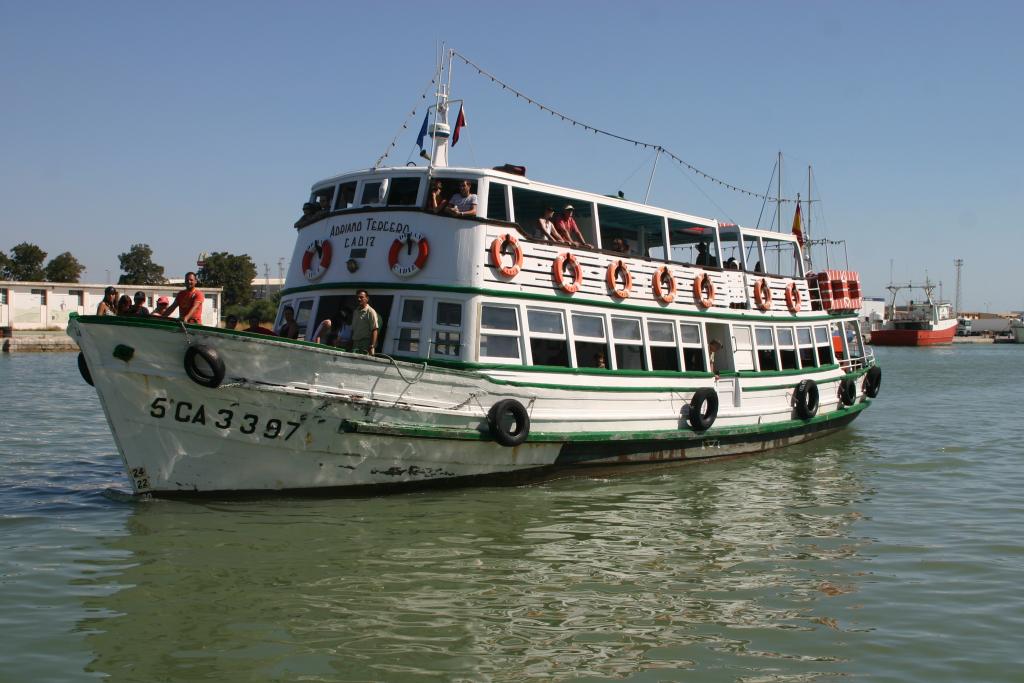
(847, 392)
(666, 293)
(212, 375)
(805, 399)
(701, 283)
(558, 271)
(422, 252)
(793, 298)
(503, 432)
(873, 381)
(498, 248)
(83, 369)
(316, 259)
(763, 295)
(612, 277)
(703, 409)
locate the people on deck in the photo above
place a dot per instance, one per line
(139, 309)
(344, 338)
(188, 301)
(324, 332)
(463, 202)
(231, 322)
(365, 325)
(732, 264)
(435, 202)
(124, 305)
(703, 257)
(289, 328)
(161, 306)
(255, 327)
(714, 346)
(619, 245)
(566, 224)
(546, 225)
(108, 306)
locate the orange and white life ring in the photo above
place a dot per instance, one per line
(612, 277)
(316, 259)
(498, 247)
(664, 285)
(422, 252)
(704, 290)
(558, 271)
(763, 295)
(793, 299)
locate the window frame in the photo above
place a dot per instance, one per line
(517, 334)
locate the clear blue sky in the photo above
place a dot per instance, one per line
(196, 126)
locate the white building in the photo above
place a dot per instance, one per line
(47, 305)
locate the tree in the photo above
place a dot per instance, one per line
(234, 273)
(138, 267)
(64, 268)
(26, 263)
(5, 265)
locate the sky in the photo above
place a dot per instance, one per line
(200, 126)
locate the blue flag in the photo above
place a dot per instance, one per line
(423, 131)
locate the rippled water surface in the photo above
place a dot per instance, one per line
(893, 551)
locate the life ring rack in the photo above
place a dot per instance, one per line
(664, 284)
(499, 246)
(558, 272)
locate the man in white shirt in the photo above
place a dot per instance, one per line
(464, 202)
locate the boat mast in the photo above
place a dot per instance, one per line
(440, 131)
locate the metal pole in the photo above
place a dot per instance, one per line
(655, 168)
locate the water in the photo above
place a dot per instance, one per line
(891, 552)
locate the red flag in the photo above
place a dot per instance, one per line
(459, 123)
(798, 229)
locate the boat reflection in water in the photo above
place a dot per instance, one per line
(707, 568)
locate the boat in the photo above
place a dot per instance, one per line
(502, 355)
(1017, 330)
(921, 323)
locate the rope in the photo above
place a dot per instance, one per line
(600, 131)
(405, 124)
(399, 369)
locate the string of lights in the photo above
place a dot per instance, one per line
(599, 131)
(405, 124)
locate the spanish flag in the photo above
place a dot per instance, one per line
(459, 123)
(798, 229)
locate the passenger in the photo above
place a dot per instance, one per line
(108, 306)
(758, 268)
(310, 211)
(139, 309)
(231, 322)
(435, 202)
(188, 301)
(547, 225)
(599, 360)
(464, 202)
(365, 325)
(566, 224)
(161, 306)
(255, 327)
(619, 245)
(324, 332)
(731, 264)
(124, 305)
(703, 257)
(289, 328)
(344, 339)
(714, 346)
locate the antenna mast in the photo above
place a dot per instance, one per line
(958, 263)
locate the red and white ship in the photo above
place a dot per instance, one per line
(922, 323)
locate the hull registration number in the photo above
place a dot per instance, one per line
(163, 408)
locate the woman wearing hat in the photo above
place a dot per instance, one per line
(109, 304)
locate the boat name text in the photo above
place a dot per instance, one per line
(372, 225)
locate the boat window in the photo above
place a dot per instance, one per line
(821, 341)
(805, 347)
(853, 339)
(766, 358)
(529, 207)
(754, 258)
(662, 340)
(447, 329)
(403, 191)
(591, 344)
(684, 239)
(629, 348)
(410, 327)
(346, 196)
(838, 347)
(782, 257)
(732, 248)
(497, 206)
(303, 312)
(634, 228)
(499, 332)
(693, 347)
(4, 294)
(548, 344)
(324, 196)
(787, 349)
(373, 192)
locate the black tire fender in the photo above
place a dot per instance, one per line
(509, 433)
(703, 409)
(805, 399)
(215, 366)
(83, 369)
(873, 381)
(848, 392)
